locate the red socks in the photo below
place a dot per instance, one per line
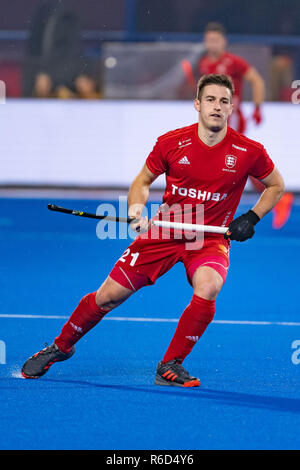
(86, 315)
(191, 326)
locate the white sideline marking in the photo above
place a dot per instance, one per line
(160, 320)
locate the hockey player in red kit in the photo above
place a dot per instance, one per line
(206, 166)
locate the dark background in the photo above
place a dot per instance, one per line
(255, 17)
(274, 24)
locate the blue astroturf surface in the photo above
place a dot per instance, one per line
(104, 397)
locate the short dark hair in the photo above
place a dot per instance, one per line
(216, 27)
(214, 79)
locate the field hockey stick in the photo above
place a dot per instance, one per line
(128, 220)
(190, 227)
(53, 207)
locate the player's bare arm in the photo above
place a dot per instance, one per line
(258, 92)
(274, 190)
(242, 228)
(138, 197)
(258, 85)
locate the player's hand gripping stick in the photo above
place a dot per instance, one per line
(242, 228)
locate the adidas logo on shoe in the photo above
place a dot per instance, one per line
(184, 161)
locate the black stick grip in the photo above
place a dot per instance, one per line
(53, 207)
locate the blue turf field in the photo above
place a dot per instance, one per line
(104, 397)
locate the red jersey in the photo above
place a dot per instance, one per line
(214, 177)
(228, 64)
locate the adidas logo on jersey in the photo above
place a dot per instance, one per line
(184, 161)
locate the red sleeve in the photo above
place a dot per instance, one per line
(263, 165)
(241, 65)
(204, 66)
(156, 162)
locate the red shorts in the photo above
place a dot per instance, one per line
(145, 260)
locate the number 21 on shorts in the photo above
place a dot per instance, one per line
(134, 257)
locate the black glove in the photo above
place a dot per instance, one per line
(242, 228)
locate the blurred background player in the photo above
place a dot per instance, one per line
(217, 59)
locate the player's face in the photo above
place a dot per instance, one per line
(214, 107)
(215, 43)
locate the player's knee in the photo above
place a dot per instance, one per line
(207, 283)
(110, 295)
(106, 299)
(208, 289)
